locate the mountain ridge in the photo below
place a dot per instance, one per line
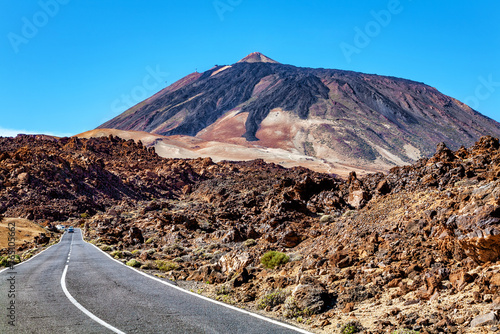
(337, 115)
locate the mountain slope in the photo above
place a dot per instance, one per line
(338, 116)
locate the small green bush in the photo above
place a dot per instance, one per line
(28, 254)
(249, 242)
(135, 251)
(272, 259)
(133, 263)
(224, 289)
(212, 246)
(325, 219)
(271, 299)
(349, 213)
(172, 248)
(5, 261)
(351, 327)
(149, 265)
(225, 299)
(166, 265)
(105, 248)
(199, 251)
(149, 241)
(116, 254)
(84, 215)
(292, 310)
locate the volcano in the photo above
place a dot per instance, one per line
(328, 115)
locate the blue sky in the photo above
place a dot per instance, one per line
(69, 65)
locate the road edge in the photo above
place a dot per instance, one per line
(17, 265)
(234, 308)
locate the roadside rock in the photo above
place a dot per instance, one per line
(42, 239)
(135, 236)
(234, 262)
(484, 320)
(357, 194)
(383, 187)
(307, 298)
(460, 279)
(289, 238)
(23, 178)
(208, 273)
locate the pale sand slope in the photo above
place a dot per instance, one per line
(234, 148)
(25, 229)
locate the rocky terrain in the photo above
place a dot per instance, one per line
(333, 116)
(187, 147)
(416, 248)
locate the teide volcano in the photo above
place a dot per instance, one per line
(334, 116)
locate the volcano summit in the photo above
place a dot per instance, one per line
(327, 115)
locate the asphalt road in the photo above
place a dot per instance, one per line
(113, 298)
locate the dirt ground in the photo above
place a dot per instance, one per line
(26, 230)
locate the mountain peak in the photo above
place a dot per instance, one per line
(257, 57)
(308, 111)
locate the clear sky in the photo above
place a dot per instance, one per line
(69, 65)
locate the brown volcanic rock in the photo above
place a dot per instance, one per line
(234, 262)
(460, 279)
(307, 298)
(56, 179)
(135, 236)
(413, 247)
(357, 194)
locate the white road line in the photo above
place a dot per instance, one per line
(83, 309)
(234, 308)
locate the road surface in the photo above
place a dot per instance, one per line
(73, 287)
